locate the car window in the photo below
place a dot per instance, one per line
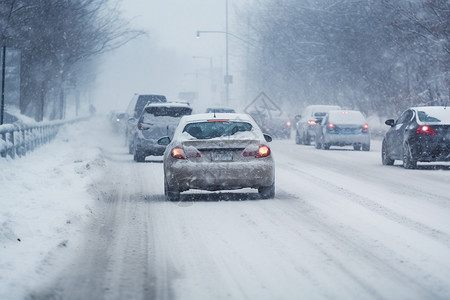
(173, 112)
(405, 117)
(425, 117)
(346, 117)
(209, 130)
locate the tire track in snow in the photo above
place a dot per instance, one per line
(373, 206)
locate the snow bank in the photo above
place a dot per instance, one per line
(44, 205)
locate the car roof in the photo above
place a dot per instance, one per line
(219, 116)
(167, 104)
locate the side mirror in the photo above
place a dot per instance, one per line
(390, 122)
(268, 138)
(164, 141)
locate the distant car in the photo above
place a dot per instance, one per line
(277, 127)
(118, 121)
(156, 120)
(134, 110)
(218, 152)
(343, 128)
(420, 134)
(220, 109)
(306, 122)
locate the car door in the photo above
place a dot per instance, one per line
(395, 135)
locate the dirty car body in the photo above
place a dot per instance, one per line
(157, 119)
(218, 152)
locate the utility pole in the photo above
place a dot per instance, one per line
(3, 83)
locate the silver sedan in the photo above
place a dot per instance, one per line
(218, 152)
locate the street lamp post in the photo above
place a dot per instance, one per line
(3, 83)
(227, 75)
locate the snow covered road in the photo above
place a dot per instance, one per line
(342, 226)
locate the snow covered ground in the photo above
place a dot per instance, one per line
(80, 220)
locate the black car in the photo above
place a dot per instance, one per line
(420, 134)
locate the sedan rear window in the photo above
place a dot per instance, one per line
(209, 130)
(346, 117)
(168, 111)
(437, 115)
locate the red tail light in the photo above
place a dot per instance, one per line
(330, 126)
(425, 130)
(263, 151)
(288, 124)
(311, 122)
(365, 128)
(139, 126)
(178, 153)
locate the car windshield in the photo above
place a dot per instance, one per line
(214, 129)
(346, 117)
(434, 116)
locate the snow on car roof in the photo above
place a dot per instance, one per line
(433, 114)
(168, 104)
(224, 116)
(346, 116)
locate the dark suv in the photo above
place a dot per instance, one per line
(157, 120)
(134, 110)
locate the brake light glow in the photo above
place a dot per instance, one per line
(178, 153)
(365, 128)
(311, 122)
(425, 130)
(330, 126)
(263, 151)
(288, 124)
(139, 126)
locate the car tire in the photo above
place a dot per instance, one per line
(385, 159)
(267, 192)
(408, 160)
(318, 144)
(306, 139)
(130, 147)
(171, 192)
(356, 147)
(325, 146)
(139, 155)
(366, 147)
(298, 141)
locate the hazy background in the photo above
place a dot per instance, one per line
(162, 62)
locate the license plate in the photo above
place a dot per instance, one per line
(221, 156)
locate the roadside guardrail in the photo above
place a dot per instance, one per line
(16, 140)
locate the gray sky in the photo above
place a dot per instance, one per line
(162, 62)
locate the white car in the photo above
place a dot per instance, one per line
(156, 120)
(343, 128)
(218, 152)
(307, 122)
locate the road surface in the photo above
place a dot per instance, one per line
(342, 226)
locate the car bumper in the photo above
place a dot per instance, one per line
(429, 149)
(220, 176)
(346, 139)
